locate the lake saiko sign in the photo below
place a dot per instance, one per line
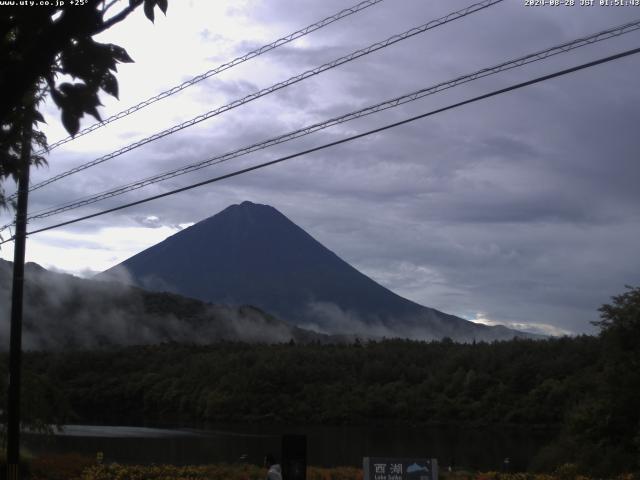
(382, 468)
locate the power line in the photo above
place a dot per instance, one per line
(344, 140)
(261, 93)
(387, 104)
(221, 68)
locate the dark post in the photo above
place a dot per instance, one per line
(294, 457)
(15, 347)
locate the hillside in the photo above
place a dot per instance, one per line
(63, 311)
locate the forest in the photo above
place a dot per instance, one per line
(586, 387)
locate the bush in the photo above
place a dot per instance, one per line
(65, 466)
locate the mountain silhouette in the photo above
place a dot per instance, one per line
(251, 254)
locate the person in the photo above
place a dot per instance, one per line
(274, 471)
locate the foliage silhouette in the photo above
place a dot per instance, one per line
(39, 46)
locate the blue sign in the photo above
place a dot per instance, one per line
(382, 468)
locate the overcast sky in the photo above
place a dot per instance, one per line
(522, 209)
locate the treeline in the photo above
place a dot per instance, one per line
(557, 382)
(588, 387)
(518, 382)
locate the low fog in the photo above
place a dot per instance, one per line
(329, 318)
(62, 311)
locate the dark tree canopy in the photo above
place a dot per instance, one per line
(623, 314)
(40, 48)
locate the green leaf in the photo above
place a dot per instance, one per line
(78, 99)
(38, 160)
(87, 60)
(67, 88)
(37, 116)
(57, 97)
(163, 4)
(93, 111)
(109, 84)
(148, 8)
(120, 54)
(71, 122)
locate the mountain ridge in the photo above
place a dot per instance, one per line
(253, 254)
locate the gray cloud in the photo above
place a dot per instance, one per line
(522, 208)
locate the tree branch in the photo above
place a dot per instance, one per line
(117, 18)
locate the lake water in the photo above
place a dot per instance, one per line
(483, 449)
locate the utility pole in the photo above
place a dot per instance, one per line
(15, 347)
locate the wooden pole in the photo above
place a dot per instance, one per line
(15, 347)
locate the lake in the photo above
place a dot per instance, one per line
(482, 449)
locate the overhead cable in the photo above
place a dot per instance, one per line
(394, 102)
(278, 86)
(344, 140)
(221, 68)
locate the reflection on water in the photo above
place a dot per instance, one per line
(483, 449)
(120, 432)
